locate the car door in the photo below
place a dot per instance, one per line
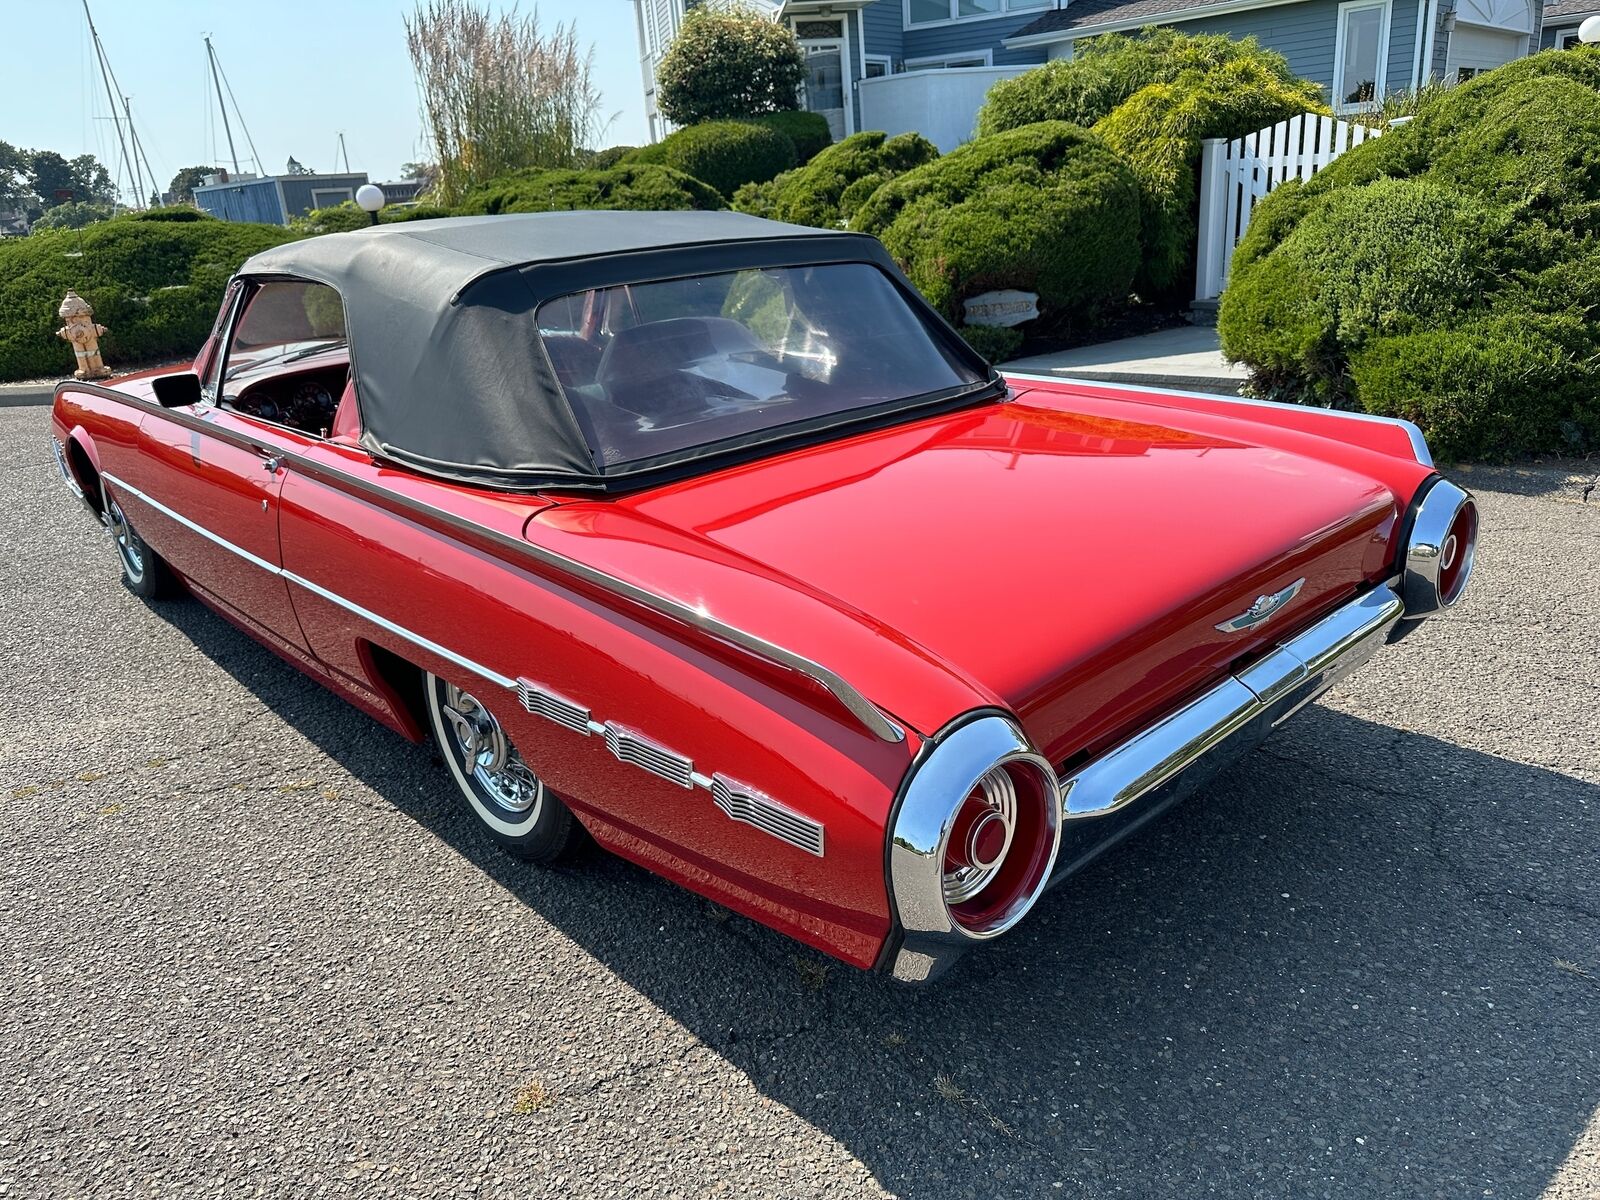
(215, 474)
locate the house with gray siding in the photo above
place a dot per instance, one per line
(925, 65)
(1559, 30)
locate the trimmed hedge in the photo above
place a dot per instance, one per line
(631, 186)
(604, 160)
(724, 154)
(807, 130)
(1158, 132)
(155, 282)
(828, 190)
(1046, 208)
(1448, 271)
(994, 343)
(346, 215)
(1106, 70)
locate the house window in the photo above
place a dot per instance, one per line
(1465, 73)
(981, 59)
(928, 12)
(1361, 54)
(1566, 39)
(877, 66)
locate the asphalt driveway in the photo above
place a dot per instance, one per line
(250, 944)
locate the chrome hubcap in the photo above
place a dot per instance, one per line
(128, 545)
(487, 752)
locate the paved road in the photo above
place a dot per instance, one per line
(250, 945)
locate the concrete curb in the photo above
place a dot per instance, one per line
(21, 395)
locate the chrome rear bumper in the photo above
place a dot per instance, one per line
(1123, 788)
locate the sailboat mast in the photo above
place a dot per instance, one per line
(111, 98)
(221, 104)
(138, 152)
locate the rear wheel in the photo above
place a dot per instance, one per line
(511, 801)
(143, 571)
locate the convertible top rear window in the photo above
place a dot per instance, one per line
(654, 369)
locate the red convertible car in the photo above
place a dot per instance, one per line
(706, 535)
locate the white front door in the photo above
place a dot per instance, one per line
(825, 89)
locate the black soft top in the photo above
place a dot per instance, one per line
(451, 375)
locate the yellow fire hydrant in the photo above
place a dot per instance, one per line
(84, 335)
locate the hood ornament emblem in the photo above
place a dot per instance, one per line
(1263, 608)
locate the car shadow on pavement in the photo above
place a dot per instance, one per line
(1363, 964)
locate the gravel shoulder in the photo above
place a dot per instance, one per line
(249, 944)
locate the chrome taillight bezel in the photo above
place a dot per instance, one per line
(1441, 550)
(935, 794)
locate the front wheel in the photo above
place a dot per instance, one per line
(524, 816)
(144, 573)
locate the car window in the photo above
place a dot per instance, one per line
(654, 368)
(287, 359)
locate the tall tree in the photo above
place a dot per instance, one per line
(16, 192)
(92, 181)
(185, 181)
(499, 94)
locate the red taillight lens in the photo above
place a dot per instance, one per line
(1456, 553)
(999, 847)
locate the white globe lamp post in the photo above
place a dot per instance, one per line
(370, 197)
(1589, 31)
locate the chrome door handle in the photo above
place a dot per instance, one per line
(272, 465)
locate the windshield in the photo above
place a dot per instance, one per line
(656, 368)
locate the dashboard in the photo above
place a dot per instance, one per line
(303, 400)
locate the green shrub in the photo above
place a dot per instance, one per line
(604, 160)
(172, 212)
(1045, 208)
(1367, 262)
(994, 343)
(1490, 387)
(724, 154)
(1106, 70)
(155, 283)
(74, 214)
(1448, 271)
(631, 186)
(832, 186)
(1158, 132)
(729, 63)
(807, 130)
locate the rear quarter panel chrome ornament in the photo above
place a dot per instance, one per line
(1262, 609)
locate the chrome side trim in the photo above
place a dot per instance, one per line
(542, 702)
(868, 715)
(743, 803)
(625, 744)
(1419, 444)
(1263, 608)
(633, 748)
(1276, 686)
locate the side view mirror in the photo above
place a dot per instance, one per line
(176, 391)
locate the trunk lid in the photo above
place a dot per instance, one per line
(1076, 565)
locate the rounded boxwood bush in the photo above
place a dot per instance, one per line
(1491, 387)
(1158, 131)
(631, 186)
(729, 61)
(1106, 70)
(604, 160)
(832, 186)
(1045, 208)
(155, 283)
(994, 343)
(807, 130)
(1389, 258)
(1444, 270)
(723, 154)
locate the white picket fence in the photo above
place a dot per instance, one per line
(1235, 175)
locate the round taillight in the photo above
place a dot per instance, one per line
(1456, 553)
(1440, 549)
(999, 848)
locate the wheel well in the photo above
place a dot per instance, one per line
(88, 478)
(401, 683)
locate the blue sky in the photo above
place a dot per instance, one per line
(301, 71)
